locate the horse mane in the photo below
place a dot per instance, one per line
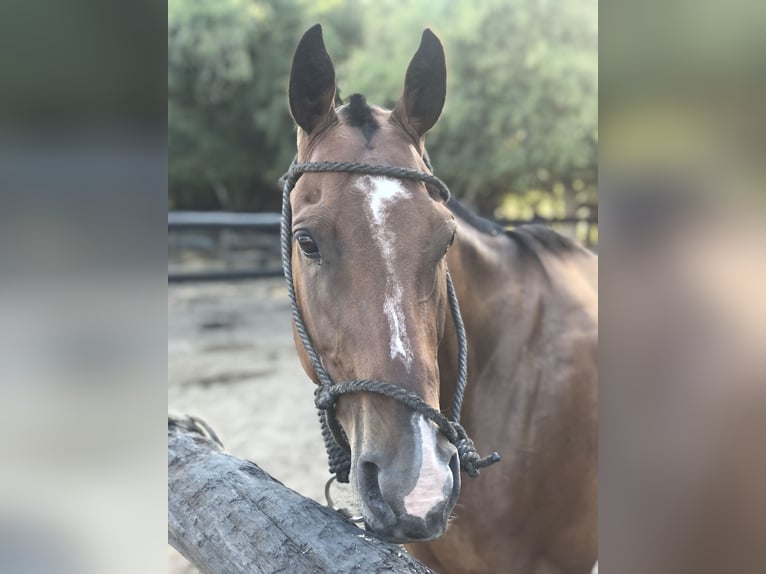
(479, 223)
(532, 238)
(358, 114)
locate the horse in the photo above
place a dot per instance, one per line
(370, 256)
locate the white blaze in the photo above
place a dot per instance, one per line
(382, 193)
(429, 490)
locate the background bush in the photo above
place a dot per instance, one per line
(519, 132)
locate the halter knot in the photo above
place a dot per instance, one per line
(470, 459)
(323, 398)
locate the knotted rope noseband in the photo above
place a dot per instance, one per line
(326, 394)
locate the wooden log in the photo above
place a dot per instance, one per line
(227, 516)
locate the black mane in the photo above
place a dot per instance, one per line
(531, 237)
(358, 114)
(537, 237)
(479, 223)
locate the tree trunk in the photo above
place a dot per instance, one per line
(227, 516)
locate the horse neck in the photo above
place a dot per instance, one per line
(479, 266)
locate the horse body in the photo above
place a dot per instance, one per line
(529, 305)
(369, 262)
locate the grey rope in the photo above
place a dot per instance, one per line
(327, 393)
(298, 169)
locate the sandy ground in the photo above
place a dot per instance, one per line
(232, 362)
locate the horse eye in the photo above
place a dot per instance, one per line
(308, 245)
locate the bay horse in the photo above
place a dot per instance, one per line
(369, 257)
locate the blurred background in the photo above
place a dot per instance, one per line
(91, 91)
(517, 139)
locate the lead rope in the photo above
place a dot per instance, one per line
(326, 394)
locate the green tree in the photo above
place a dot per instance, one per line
(519, 130)
(521, 113)
(229, 129)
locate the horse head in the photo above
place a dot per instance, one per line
(368, 260)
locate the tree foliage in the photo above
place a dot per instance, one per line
(519, 127)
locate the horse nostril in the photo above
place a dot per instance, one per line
(369, 488)
(368, 477)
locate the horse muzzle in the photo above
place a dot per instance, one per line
(409, 501)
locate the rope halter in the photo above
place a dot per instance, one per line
(327, 392)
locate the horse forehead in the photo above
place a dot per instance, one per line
(381, 193)
(351, 197)
(389, 144)
(394, 209)
(357, 204)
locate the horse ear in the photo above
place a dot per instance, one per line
(312, 81)
(425, 86)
